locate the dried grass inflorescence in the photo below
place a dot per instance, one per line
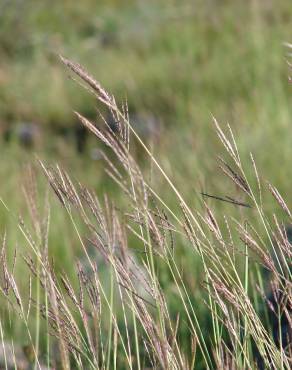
(137, 242)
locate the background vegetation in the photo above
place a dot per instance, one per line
(178, 63)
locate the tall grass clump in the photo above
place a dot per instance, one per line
(126, 318)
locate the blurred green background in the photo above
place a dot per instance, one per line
(177, 63)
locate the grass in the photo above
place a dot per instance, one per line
(218, 65)
(183, 65)
(128, 318)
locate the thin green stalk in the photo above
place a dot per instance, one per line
(3, 346)
(136, 338)
(38, 298)
(111, 320)
(245, 337)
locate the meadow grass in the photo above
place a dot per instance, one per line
(184, 65)
(200, 59)
(125, 316)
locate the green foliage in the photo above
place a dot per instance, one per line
(181, 61)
